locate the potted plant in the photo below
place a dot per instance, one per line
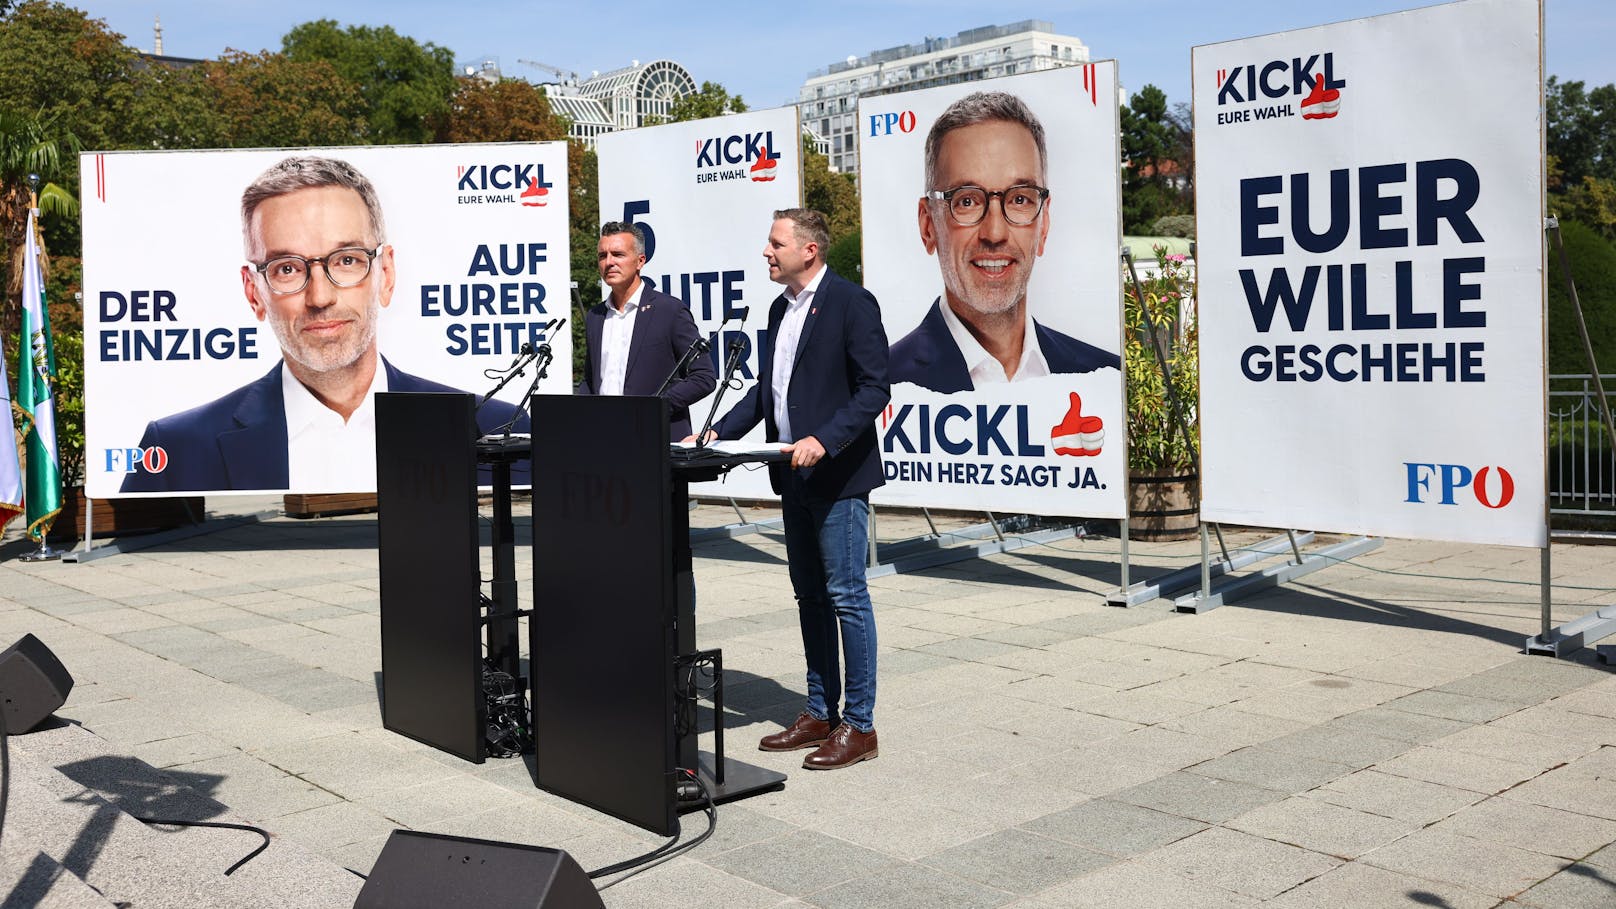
(1163, 440)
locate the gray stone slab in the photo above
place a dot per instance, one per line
(1116, 828)
(1356, 885)
(1245, 864)
(1200, 798)
(801, 862)
(1492, 868)
(909, 887)
(1137, 884)
(1321, 827)
(1017, 861)
(1401, 725)
(1577, 887)
(1271, 769)
(1396, 797)
(1334, 742)
(1447, 705)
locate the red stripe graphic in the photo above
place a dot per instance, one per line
(1222, 75)
(1091, 81)
(101, 177)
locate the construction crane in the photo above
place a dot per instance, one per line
(567, 77)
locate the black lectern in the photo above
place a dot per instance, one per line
(426, 527)
(613, 611)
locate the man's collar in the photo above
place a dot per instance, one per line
(303, 408)
(974, 353)
(811, 288)
(633, 301)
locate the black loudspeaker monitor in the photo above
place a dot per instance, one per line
(432, 871)
(33, 683)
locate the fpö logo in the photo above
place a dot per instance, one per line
(496, 184)
(737, 157)
(1281, 87)
(136, 460)
(888, 123)
(1493, 487)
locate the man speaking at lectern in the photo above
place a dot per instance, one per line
(821, 383)
(636, 337)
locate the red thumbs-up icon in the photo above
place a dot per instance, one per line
(1078, 435)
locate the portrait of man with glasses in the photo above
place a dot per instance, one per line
(985, 215)
(319, 270)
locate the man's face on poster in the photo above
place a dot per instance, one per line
(322, 327)
(986, 265)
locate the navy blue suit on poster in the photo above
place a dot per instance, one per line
(838, 387)
(663, 330)
(928, 356)
(239, 441)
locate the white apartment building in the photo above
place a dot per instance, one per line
(828, 101)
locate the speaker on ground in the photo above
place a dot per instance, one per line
(33, 683)
(430, 871)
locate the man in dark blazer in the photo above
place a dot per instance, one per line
(638, 335)
(319, 271)
(929, 356)
(822, 381)
(985, 215)
(239, 441)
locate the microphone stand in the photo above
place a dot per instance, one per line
(543, 357)
(700, 345)
(737, 349)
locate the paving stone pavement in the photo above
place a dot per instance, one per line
(1369, 736)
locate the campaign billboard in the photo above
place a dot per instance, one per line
(704, 192)
(991, 233)
(1369, 201)
(242, 307)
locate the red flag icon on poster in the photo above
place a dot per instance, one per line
(763, 169)
(535, 195)
(1078, 435)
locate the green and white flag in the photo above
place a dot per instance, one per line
(36, 397)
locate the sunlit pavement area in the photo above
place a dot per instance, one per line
(1371, 735)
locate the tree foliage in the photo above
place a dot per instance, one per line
(826, 191)
(406, 85)
(509, 110)
(1156, 151)
(58, 63)
(1581, 130)
(29, 145)
(1593, 268)
(712, 100)
(269, 100)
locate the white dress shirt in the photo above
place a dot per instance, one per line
(986, 368)
(616, 334)
(324, 453)
(785, 350)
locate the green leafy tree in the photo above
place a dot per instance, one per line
(509, 110)
(268, 100)
(68, 68)
(1593, 268)
(832, 193)
(40, 146)
(1154, 179)
(712, 100)
(1581, 130)
(406, 85)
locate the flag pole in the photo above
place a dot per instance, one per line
(36, 391)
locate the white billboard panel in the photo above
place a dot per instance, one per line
(185, 384)
(1370, 212)
(1007, 392)
(704, 193)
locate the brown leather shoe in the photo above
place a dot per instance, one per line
(845, 746)
(805, 732)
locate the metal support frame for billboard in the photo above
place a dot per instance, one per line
(1601, 623)
(1230, 587)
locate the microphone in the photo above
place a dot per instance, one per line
(699, 346)
(737, 350)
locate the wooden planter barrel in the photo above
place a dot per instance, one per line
(116, 516)
(1162, 505)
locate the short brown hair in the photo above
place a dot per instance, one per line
(810, 227)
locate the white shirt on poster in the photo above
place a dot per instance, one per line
(324, 453)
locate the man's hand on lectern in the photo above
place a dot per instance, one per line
(711, 436)
(805, 452)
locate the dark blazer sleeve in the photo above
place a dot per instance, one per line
(589, 384)
(699, 379)
(866, 366)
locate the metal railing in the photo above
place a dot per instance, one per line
(1582, 468)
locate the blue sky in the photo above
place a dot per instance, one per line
(764, 51)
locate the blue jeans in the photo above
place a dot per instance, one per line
(826, 548)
